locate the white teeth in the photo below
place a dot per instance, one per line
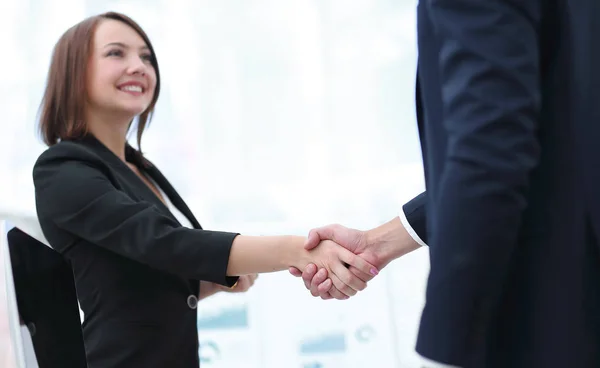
(131, 88)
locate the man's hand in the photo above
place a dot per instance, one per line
(337, 261)
(378, 246)
(317, 281)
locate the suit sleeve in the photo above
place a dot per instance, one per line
(413, 217)
(490, 80)
(75, 196)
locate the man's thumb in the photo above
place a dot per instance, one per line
(312, 240)
(315, 236)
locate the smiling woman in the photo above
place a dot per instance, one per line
(91, 76)
(140, 259)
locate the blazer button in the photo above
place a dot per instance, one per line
(192, 301)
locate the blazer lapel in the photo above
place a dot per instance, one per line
(120, 167)
(132, 155)
(178, 202)
(174, 197)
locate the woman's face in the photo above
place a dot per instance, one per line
(121, 79)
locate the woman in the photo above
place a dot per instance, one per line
(136, 250)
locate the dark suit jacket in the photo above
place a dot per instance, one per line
(509, 123)
(415, 211)
(136, 269)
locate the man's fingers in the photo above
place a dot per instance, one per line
(319, 278)
(340, 285)
(359, 263)
(336, 294)
(326, 296)
(358, 273)
(324, 287)
(328, 285)
(348, 278)
(309, 274)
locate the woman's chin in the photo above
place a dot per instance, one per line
(133, 110)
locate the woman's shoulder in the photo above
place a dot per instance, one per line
(86, 149)
(67, 155)
(66, 149)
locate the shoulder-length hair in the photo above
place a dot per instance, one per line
(62, 108)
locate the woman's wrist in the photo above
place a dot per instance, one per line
(295, 254)
(260, 254)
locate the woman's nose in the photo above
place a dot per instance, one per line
(137, 66)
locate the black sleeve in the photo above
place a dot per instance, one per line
(74, 194)
(415, 212)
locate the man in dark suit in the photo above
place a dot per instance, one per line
(509, 131)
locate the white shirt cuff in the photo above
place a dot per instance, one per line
(428, 363)
(413, 234)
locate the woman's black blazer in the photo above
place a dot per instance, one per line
(136, 269)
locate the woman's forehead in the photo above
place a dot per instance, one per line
(114, 32)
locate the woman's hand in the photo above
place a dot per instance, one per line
(210, 288)
(242, 285)
(336, 259)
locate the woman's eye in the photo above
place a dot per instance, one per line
(147, 57)
(114, 53)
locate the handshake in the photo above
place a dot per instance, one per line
(343, 260)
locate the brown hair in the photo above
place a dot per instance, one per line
(62, 108)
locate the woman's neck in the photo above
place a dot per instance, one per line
(111, 132)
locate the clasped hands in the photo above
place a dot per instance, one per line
(350, 265)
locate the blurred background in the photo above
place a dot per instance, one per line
(274, 117)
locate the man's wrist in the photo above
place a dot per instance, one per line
(390, 241)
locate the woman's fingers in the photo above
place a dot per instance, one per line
(323, 289)
(295, 272)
